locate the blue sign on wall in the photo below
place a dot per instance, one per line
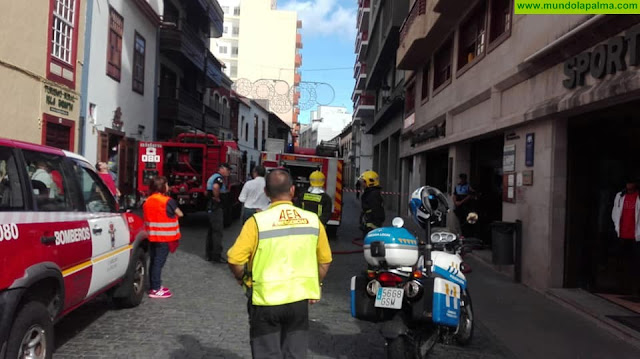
(530, 149)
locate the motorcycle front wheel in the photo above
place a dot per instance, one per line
(464, 333)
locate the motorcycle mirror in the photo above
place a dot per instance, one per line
(397, 222)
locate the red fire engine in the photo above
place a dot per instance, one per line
(302, 162)
(188, 161)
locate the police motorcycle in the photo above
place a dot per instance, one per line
(415, 289)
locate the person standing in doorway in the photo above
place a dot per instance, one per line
(107, 178)
(252, 195)
(463, 194)
(161, 215)
(625, 216)
(216, 188)
(281, 257)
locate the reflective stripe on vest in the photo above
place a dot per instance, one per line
(313, 198)
(285, 266)
(158, 225)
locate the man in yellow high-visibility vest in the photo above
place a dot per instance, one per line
(281, 256)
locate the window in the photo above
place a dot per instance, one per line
(225, 9)
(424, 92)
(410, 99)
(234, 71)
(234, 51)
(49, 182)
(442, 64)
(236, 11)
(225, 29)
(114, 47)
(96, 195)
(138, 63)
(62, 32)
(472, 36)
(223, 49)
(63, 40)
(500, 18)
(235, 31)
(10, 185)
(246, 132)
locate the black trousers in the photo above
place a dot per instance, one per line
(279, 331)
(631, 254)
(214, 235)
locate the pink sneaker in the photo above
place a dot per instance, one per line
(160, 293)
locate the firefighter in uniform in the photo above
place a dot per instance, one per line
(281, 257)
(316, 200)
(372, 205)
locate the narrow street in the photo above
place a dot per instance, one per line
(207, 318)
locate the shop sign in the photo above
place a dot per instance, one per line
(59, 101)
(509, 158)
(604, 59)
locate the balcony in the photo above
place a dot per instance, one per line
(298, 61)
(296, 79)
(298, 41)
(215, 15)
(356, 69)
(364, 12)
(364, 106)
(355, 95)
(428, 22)
(299, 24)
(180, 105)
(361, 77)
(362, 42)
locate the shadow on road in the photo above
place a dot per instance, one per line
(77, 321)
(192, 348)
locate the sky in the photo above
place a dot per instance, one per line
(328, 38)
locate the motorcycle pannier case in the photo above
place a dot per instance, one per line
(362, 305)
(446, 302)
(394, 246)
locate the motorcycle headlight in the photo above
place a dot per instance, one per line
(442, 237)
(372, 288)
(412, 289)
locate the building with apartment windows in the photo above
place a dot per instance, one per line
(189, 73)
(42, 73)
(379, 91)
(119, 83)
(260, 51)
(545, 126)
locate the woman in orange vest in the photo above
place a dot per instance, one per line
(161, 215)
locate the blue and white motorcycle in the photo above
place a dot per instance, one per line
(418, 302)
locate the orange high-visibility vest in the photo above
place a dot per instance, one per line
(158, 225)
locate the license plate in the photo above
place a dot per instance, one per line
(389, 298)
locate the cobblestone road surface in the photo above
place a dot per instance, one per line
(207, 317)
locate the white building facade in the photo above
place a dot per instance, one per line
(253, 124)
(119, 84)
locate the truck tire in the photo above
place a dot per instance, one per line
(134, 281)
(31, 335)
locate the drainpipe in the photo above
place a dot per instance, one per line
(84, 87)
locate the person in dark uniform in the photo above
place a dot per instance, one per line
(315, 199)
(216, 188)
(373, 214)
(463, 197)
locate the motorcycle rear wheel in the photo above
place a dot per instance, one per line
(399, 348)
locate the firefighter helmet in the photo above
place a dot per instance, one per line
(317, 179)
(370, 179)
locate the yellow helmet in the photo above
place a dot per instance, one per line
(317, 179)
(370, 178)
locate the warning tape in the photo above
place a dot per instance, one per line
(383, 192)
